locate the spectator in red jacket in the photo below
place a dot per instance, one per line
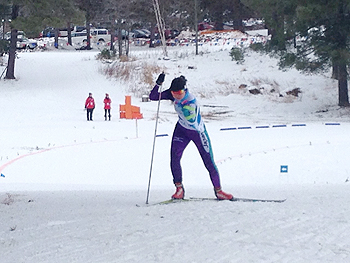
(89, 106)
(107, 101)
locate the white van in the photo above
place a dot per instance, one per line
(96, 36)
(100, 35)
(79, 38)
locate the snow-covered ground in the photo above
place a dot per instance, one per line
(75, 191)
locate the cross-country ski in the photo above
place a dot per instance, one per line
(234, 199)
(240, 199)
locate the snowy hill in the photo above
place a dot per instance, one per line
(75, 191)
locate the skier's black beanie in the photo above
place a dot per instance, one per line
(178, 83)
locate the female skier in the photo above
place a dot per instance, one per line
(190, 127)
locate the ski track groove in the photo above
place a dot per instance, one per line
(237, 234)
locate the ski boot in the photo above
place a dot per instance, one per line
(180, 192)
(221, 195)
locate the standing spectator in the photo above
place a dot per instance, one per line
(107, 101)
(89, 106)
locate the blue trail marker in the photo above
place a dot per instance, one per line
(284, 168)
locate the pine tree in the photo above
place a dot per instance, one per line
(221, 11)
(324, 28)
(279, 17)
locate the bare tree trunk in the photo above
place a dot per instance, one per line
(112, 40)
(57, 32)
(120, 41)
(152, 37)
(127, 44)
(69, 33)
(342, 62)
(88, 47)
(335, 71)
(343, 85)
(10, 73)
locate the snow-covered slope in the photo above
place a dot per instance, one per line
(75, 191)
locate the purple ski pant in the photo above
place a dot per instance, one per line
(181, 138)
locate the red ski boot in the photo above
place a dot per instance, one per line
(221, 195)
(180, 192)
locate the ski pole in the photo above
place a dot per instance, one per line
(154, 143)
(3, 72)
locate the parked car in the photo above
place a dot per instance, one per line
(125, 34)
(146, 31)
(21, 44)
(174, 33)
(31, 43)
(79, 34)
(49, 32)
(79, 38)
(79, 28)
(22, 41)
(64, 32)
(204, 26)
(96, 36)
(20, 35)
(167, 33)
(137, 33)
(100, 35)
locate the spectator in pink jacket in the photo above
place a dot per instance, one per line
(89, 106)
(107, 101)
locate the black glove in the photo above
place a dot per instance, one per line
(160, 79)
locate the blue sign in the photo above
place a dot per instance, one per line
(2, 175)
(284, 168)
